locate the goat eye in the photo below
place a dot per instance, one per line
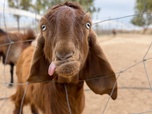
(43, 27)
(88, 25)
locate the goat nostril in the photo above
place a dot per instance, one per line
(58, 56)
(68, 55)
(63, 56)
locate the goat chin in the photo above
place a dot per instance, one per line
(68, 69)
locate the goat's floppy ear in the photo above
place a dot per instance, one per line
(40, 65)
(97, 71)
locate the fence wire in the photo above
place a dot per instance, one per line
(5, 83)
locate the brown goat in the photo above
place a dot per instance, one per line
(19, 43)
(67, 54)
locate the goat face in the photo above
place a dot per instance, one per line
(66, 31)
(67, 47)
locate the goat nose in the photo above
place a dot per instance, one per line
(63, 56)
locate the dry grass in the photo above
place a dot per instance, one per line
(122, 51)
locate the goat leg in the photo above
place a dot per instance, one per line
(18, 110)
(34, 109)
(12, 72)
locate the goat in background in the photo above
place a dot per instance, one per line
(20, 41)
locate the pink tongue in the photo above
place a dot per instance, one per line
(51, 69)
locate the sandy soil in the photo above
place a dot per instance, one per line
(134, 97)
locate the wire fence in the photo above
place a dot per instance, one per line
(119, 73)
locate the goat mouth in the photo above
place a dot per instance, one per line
(64, 69)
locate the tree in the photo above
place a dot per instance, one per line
(144, 10)
(19, 4)
(42, 5)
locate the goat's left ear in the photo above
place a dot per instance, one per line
(40, 65)
(97, 71)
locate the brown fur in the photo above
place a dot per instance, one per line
(73, 48)
(14, 49)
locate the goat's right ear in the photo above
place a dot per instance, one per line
(40, 65)
(97, 71)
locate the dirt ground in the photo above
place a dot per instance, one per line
(134, 95)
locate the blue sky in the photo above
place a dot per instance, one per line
(108, 9)
(114, 8)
